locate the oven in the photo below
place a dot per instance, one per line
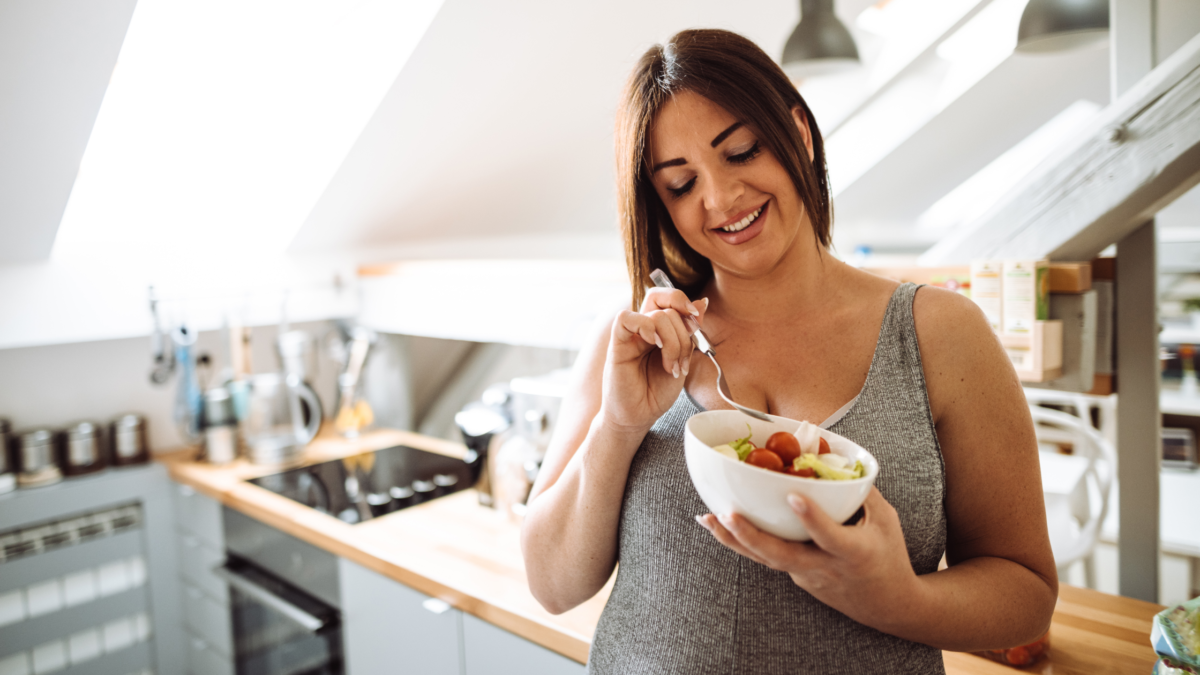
(284, 601)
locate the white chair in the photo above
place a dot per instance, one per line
(1076, 487)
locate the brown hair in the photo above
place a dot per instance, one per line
(734, 73)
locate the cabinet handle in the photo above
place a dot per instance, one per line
(436, 606)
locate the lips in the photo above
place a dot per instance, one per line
(744, 227)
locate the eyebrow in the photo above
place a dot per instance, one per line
(715, 142)
(725, 134)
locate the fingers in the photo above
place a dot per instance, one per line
(876, 509)
(788, 556)
(826, 532)
(630, 324)
(702, 305)
(669, 298)
(677, 341)
(723, 535)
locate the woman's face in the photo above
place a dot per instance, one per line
(729, 197)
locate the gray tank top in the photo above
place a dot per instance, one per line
(683, 603)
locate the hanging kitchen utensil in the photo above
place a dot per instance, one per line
(160, 348)
(188, 397)
(354, 413)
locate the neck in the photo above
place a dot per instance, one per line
(803, 281)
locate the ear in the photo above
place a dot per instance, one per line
(805, 133)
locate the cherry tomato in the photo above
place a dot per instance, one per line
(765, 459)
(824, 448)
(785, 445)
(806, 472)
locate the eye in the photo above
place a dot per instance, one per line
(743, 157)
(681, 191)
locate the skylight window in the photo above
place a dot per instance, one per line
(225, 121)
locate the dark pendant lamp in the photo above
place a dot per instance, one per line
(1059, 25)
(820, 45)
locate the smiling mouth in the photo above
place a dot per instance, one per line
(744, 222)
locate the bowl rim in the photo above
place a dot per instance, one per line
(872, 469)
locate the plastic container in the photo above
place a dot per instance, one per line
(1165, 636)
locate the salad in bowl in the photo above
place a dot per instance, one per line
(747, 466)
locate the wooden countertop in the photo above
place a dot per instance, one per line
(469, 556)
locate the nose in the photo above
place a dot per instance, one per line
(724, 191)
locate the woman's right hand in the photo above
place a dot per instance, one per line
(649, 353)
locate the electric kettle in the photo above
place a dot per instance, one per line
(274, 427)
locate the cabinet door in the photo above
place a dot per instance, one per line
(390, 628)
(489, 650)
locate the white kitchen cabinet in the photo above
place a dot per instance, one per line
(389, 628)
(489, 650)
(206, 619)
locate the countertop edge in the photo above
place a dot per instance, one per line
(337, 538)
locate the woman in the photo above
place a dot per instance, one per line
(722, 183)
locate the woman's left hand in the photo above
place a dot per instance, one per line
(861, 570)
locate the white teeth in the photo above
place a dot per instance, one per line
(743, 223)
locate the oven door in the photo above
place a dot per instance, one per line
(279, 629)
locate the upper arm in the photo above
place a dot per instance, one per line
(579, 406)
(994, 503)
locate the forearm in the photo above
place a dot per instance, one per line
(981, 603)
(569, 539)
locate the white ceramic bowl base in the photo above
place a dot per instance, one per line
(729, 486)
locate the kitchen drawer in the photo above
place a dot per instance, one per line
(202, 659)
(389, 628)
(208, 619)
(199, 515)
(197, 561)
(488, 650)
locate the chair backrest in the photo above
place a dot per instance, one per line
(1104, 407)
(1058, 427)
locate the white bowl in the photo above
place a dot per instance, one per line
(729, 486)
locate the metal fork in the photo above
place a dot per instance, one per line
(702, 343)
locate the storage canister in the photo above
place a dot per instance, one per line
(8, 479)
(129, 440)
(220, 426)
(84, 449)
(36, 464)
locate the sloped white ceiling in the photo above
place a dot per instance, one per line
(56, 58)
(501, 122)
(1008, 104)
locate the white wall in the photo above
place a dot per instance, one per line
(55, 384)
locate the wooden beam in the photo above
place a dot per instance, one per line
(1139, 424)
(1141, 153)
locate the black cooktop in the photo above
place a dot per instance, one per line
(372, 484)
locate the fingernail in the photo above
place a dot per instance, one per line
(658, 340)
(675, 370)
(798, 503)
(726, 520)
(700, 519)
(705, 301)
(692, 309)
(686, 365)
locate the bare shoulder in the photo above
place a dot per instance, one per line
(959, 351)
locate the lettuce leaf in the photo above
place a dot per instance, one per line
(742, 445)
